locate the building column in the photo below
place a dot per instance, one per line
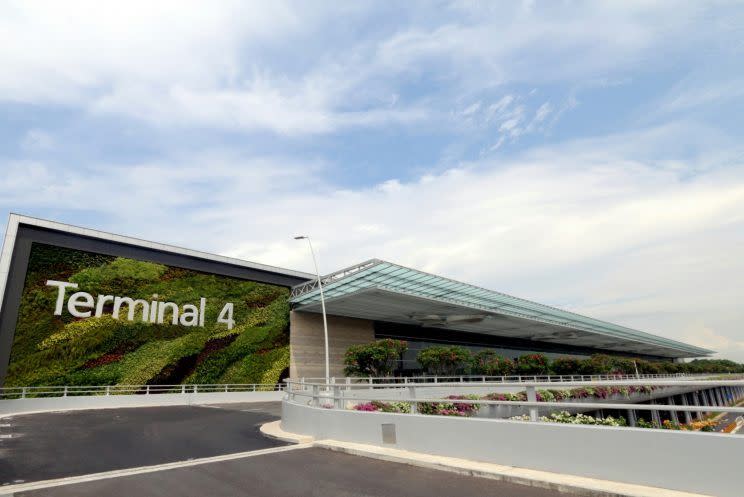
(696, 401)
(655, 417)
(632, 419)
(673, 414)
(719, 394)
(687, 414)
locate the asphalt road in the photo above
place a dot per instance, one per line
(56, 445)
(303, 472)
(727, 419)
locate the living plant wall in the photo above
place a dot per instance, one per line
(92, 319)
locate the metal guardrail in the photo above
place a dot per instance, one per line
(506, 379)
(332, 395)
(8, 393)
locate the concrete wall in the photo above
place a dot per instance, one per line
(306, 344)
(27, 406)
(695, 462)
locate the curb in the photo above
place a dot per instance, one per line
(568, 484)
(274, 431)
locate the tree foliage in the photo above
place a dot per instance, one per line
(378, 358)
(444, 361)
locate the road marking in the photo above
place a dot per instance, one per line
(26, 487)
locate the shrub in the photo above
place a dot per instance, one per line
(532, 364)
(451, 408)
(378, 405)
(566, 366)
(378, 358)
(511, 397)
(582, 419)
(489, 363)
(444, 360)
(597, 364)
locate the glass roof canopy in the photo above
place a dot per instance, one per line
(384, 291)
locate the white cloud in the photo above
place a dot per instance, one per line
(607, 231)
(37, 139)
(290, 68)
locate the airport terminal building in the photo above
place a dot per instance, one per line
(85, 307)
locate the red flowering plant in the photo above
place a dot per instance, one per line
(532, 364)
(489, 363)
(451, 408)
(566, 366)
(378, 358)
(444, 360)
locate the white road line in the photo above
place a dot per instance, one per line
(26, 487)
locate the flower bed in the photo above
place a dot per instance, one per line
(576, 419)
(380, 406)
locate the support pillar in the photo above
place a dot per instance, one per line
(655, 417)
(696, 401)
(719, 394)
(532, 397)
(632, 419)
(687, 414)
(673, 414)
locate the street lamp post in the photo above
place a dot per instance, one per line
(322, 306)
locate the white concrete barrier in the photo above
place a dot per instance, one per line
(47, 404)
(707, 463)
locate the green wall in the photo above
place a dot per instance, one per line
(64, 350)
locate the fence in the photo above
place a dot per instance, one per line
(9, 393)
(335, 396)
(707, 463)
(508, 379)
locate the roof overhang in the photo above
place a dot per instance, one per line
(382, 291)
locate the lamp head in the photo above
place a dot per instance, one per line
(301, 237)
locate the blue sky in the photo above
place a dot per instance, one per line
(583, 154)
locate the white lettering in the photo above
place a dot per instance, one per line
(80, 299)
(102, 299)
(161, 312)
(226, 316)
(81, 305)
(189, 315)
(118, 301)
(63, 286)
(202, 310)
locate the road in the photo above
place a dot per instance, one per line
(54, 445)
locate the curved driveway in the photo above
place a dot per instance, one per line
(37, 447)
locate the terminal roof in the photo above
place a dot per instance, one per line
(383, 291)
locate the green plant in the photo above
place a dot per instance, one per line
(642, 423)
(54, 350)
(489, 363)
(444, 360)
(566, 366)
(532, 364)
(378, 358)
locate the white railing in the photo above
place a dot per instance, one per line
(508, 379)
(335, 395)
(8, 393)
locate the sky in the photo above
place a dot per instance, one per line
(587, 155)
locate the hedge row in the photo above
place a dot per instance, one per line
(381, 358)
